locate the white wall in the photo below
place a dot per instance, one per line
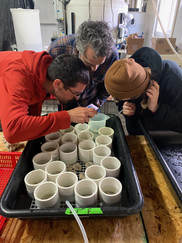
(139, 26)
(145, 21)
(81, 10)
(48, 22)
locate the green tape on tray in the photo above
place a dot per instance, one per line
(84, 211)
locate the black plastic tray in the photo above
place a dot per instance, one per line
(167, 146)
(16, 203)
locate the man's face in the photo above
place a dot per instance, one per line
(90, 60)
(65, 95)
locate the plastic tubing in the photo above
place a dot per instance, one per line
(155, 10)
(78, 221)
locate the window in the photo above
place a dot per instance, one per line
(167, 13)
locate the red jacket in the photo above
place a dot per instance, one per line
(22, 75)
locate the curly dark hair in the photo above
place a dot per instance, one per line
(69, 69)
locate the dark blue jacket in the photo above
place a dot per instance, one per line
(169, 77)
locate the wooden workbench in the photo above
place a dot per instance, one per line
(159, 221)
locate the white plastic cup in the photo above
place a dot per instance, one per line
(52, 148)
(112, 166)
(67, 130)
(95, 173)
(80, 127)
(110, 190)
(103, 140)
(54, 169)
(68, 153)
(66, 182)
(108, 131)
(54, 136)
(85, 148)
(85, 135)
(46, 195)
(41, 160)
(33, 179)
(69, 138)
(86, 193)
(99, 153)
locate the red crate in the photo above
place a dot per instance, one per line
(8, 162)
(9, 159)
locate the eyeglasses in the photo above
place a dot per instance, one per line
(77, 96)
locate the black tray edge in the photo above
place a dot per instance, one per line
(162, 162)
(6, 212)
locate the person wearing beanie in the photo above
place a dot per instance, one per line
(148, 88)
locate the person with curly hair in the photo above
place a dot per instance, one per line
(94, 45)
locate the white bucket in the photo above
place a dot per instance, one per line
(27, 29)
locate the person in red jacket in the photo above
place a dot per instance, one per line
(26, 78)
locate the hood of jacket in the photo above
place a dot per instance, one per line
(148, 57)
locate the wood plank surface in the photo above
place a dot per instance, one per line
(127, 229)
(162, 211)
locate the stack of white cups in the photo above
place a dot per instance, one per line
(50, 182)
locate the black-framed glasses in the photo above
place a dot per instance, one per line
(77, 96)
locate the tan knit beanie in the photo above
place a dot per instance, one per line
(126, 79)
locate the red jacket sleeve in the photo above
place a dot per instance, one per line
(17, 90)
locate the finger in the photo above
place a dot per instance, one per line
(127, 112)
(155, 84)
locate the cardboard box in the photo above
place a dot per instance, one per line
(161, 45)
(134, 44)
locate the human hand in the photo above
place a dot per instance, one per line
(153, 96)
(81, 114)
(129, 108)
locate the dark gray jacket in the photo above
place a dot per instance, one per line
(169, 77)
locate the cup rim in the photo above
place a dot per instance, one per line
(86, 131)
(43, 184)
(103, 116)
(52, 134)
(99, 146)
(64, 131)
(86, 141)
(82, 181)
(113, 157)
(55, 162)
(110, 139)
(31, 172)
(49, 142)
(97, 166)
(63, 173)
(42, 153)
(110, 128)
(66, 144)
(110, 195)
(81, 124)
